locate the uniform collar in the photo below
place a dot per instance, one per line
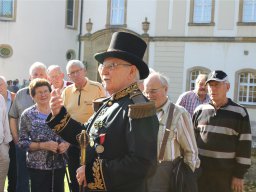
(120, 94)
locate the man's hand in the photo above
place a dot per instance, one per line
(237, 185)
(80, 176)
(56, 102)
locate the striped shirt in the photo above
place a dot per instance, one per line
(181, 139)
(223, 137)
(190, 100)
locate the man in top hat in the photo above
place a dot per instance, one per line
(122, 133)
(223, 135)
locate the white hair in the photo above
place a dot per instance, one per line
(52, 67)
(37, 65)
(163, 79)
(4, 79)
(74, 63)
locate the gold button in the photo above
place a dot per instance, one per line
(110, 103)
(91, 143)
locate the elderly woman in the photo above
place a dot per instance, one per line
(45, 159)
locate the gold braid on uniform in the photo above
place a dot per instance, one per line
(61, 125)
(125, 91)
(141, 107)
(99, 182)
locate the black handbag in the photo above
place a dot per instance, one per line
(183, 178)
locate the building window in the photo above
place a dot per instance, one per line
(249, 11)
(192, 75)
(247, 88)
(116, 13)
(202, 12)
(7, 9)
(72, 14)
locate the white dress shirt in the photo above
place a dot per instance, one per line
(5, 134)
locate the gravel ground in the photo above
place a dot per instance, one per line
(250, 177)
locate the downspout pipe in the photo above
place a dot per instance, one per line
(80, 29)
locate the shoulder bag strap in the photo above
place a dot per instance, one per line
(166, 132)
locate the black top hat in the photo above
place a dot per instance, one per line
(127, 47)
(217, 75)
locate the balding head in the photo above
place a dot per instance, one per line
(156, 88)
(200, 87)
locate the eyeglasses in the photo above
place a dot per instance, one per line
(41, 93)
(112, 66)
(74, 73)
(152, 91)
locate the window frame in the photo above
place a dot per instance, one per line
(240, 17)
(237, 86)
(191, 17)
(75, 15)
(13, 16)
(108, 22)
(189, 71)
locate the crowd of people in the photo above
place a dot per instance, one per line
(126, 129)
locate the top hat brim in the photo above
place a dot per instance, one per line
(140, 64)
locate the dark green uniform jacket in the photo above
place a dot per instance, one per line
(122, 148)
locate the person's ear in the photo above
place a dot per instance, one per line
(132, 72)
(228, 86)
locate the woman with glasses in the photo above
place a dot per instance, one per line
(45, 159)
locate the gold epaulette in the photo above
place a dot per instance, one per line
(142, 110)
(97, 103)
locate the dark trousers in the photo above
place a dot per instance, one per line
(41, 180)
(22, 171)
(73, 165)
(215, 181)
(12, 172)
